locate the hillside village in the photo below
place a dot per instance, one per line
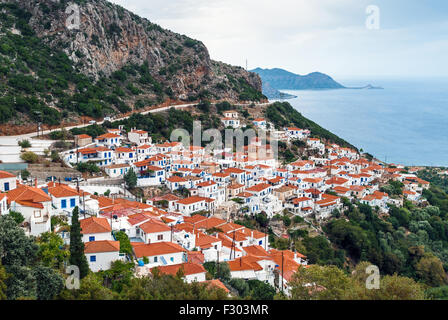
(193, 220)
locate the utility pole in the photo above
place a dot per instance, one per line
(84, 202)
(265, 238)
(217, 266)
(282, 271)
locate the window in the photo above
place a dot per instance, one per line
(92, 258)
(63, 204)
(73, 203)
(172, 259)
(160, 237)
(260, 242)
(155, 259)
(6, 186)
(91, 238)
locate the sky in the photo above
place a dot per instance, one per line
(405, 38)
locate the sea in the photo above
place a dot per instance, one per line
(404, 123)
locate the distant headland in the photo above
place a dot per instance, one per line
(279, 79)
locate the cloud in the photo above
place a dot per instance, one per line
(305, 36)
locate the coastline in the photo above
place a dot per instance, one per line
(406, 123)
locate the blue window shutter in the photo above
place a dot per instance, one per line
(6, 186)
(72, 203)
(92, 238)
(92, 258)
(63, 204)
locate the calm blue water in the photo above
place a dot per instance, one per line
(407, 122)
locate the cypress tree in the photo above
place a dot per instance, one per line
(77, 256)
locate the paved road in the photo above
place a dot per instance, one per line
(10, 152)
(6, 140)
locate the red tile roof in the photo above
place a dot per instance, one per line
(101, 246)
(154, 227)
(187, 268)
(95, 225)
(4, 175)
(155, 249)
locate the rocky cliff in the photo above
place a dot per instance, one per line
(103, 40)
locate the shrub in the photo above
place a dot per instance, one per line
(30, 157)
(25, 144)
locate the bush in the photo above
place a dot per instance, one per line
(25, 174)
(25, 144)
(90, 167)
(30, 157)
(17, 216)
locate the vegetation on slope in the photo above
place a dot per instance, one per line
(282, 114)
(41, 81)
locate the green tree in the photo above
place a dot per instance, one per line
(24, 144)
(91, 288)
(430, 270)
(25, 174)
(52, 252)
(131, 179)
(17, 216)
(3, 278)
(397, 288)
(222, 272)
(30, 157)
(77, 256)
(17, 253)
(48, 283)
(320, 283)
(260, 290)
(125, 243)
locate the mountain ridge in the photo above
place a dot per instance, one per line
(282, 79)
(115, 62)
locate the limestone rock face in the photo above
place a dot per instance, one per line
(101, 38)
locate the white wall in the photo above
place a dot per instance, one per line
(12, 184)
(98, 236)
(197, 277)
(103, 260)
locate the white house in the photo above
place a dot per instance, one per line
(3, 204)
(35, 206)
(260, 123)
(160, 254)
(193, 272)
(63, 197)
(102, 156)
(151, 176)
(231, 122)
(117, 170)
(139, 137)
(154, 231)
(95, 229)
(8, 181)
(193, 204)
(100, 254)
(125, 155)
(109, 140)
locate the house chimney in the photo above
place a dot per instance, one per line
(35, 182)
